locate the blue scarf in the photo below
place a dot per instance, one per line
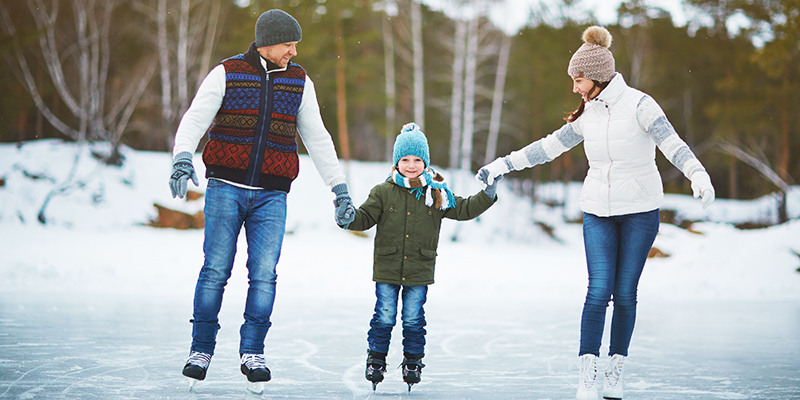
(429, 184)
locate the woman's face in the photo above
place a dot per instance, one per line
(585, 87)
(411, 166)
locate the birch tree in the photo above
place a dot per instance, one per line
(457, 96)
(417, 60)
(497, 99)
(390, 10)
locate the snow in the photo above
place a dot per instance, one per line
(95, 304)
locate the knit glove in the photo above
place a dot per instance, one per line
(345, 211)
(489, 172)
(701, 187)
(491, 190)
(182, 170)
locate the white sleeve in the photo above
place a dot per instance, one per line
(545, 149)
(652, 120)
(201, 112)
(316, 138)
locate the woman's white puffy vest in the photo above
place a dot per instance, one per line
(623, 177)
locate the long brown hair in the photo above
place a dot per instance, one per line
(571, 117)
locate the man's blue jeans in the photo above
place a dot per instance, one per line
(385, 317)
(263, 214)
(616, 251)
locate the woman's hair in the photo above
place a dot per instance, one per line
(573, 116)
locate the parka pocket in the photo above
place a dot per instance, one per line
(385, 251)
(429, 254)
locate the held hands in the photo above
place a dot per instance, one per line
(491, 190)
(701, 187)
(182, 170)
(345, 211)
(489, 173)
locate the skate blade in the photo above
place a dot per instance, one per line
(192, 383)
(374, 386)
(409, 387)
(255, 387)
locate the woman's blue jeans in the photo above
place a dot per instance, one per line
(385, 317)
(616, 251)
(263, 215)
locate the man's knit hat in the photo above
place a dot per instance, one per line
(593, 60)
(276, 27)
(411, 142)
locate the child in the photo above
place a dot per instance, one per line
(408, 209)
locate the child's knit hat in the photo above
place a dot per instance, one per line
(411, 142)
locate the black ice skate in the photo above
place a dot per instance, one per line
(376, 367)
(254, 367)
(196, 367)
(412, 369)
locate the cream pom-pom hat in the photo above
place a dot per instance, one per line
(593, 60)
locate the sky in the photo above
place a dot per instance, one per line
(512, 15)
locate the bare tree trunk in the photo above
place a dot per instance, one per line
(419, 85)
(497, 99)
(163, 60)
(457, 97)
(341, 95)
(469, 94)
(183, 49)
(391, 96)
(211, 34)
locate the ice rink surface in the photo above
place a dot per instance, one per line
(133, 347)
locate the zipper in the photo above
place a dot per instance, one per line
(260, 141)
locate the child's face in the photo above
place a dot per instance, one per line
(411, 166)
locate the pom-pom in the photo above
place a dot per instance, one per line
(597, 35)
(409, 127)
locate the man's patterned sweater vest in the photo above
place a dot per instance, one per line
(252, 140)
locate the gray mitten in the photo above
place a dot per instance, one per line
(182, 170)
(491, 190)
(345, 211)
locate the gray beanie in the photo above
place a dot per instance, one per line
(276, 27)
(593, 60)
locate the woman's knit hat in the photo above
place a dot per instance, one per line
(411, 142)
(276, 27)
(593, 60)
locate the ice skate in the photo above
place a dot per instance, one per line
(612, 384)
(196, 367)
(254, 367)
(376, 367)
(412, 369)
(587, 389)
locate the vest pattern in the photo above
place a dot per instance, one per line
(234, 131)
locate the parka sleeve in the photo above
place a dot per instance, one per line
(369, 213)
(471, 207)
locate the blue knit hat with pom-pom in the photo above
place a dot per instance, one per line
(411, 142)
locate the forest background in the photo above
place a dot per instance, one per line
(125, 71)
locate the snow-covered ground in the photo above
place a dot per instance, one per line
(95, 304)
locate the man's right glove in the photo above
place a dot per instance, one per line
(182, 170)
(345, 211)
(489, 172)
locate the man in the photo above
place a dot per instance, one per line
(252, 106)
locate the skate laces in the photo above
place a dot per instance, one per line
(614, 368)
(254, 361)
(588, 370)
(200, 359)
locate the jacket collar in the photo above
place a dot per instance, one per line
(254, 58)
(615, 89)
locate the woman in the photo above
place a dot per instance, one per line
(620, 127)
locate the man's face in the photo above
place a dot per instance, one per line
(279, 54)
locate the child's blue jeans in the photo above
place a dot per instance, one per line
(385, 317)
